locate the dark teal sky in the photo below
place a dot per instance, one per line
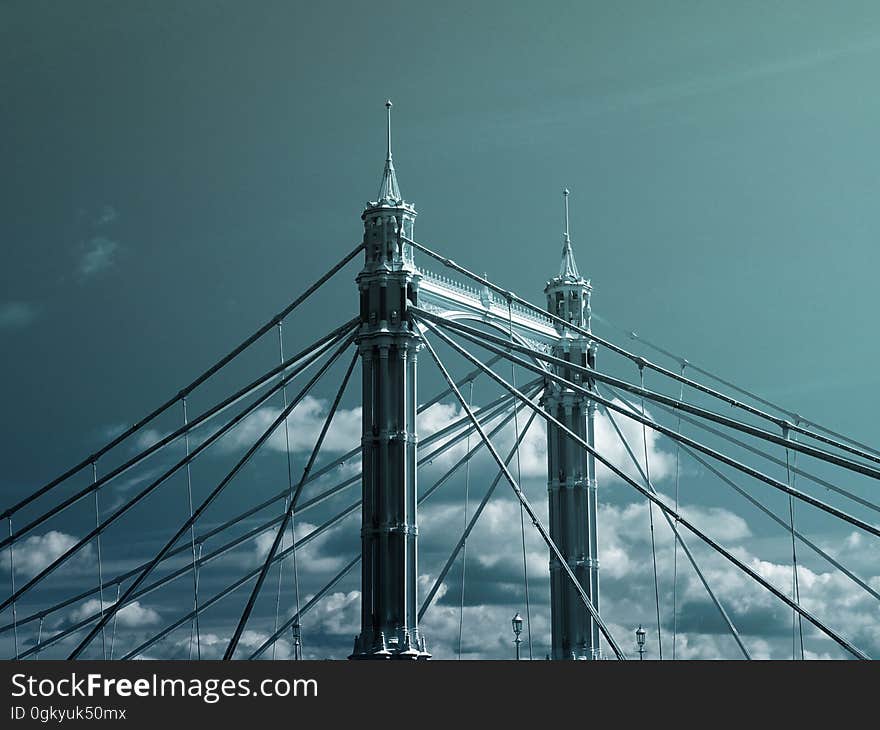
(174, 173)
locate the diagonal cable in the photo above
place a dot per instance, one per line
(279, 535)
(188, 389)
(213, 495)
(301, 543)
(429, 598)
(656, 397)
(157, 482)
(679, 540)
(323, 344)
(684, 440)
(651, 524)
(842, 641)
(869, 454)
(522, 498)
(488, 413)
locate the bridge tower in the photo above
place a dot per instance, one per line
(571, 471)
(389, 350)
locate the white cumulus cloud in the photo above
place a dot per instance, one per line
(34, 553)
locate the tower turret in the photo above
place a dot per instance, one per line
(387, 218)
(568, 293)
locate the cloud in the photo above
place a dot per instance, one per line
(107, 215)
(764, 622)
(533, 449)
(16, 315)
(132, 616)
(305, 421)
(494, 589)
(494, 586)
(303, 426)
(213, 646)
(146, 438)
(97, 256)
(321, 557)
(338, 613)
(37, 551)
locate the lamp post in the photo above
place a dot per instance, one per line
(296, 640)
(517, 624)
(640, 640)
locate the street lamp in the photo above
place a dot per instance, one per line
(640, 640)
(297, 640)
(517, 624)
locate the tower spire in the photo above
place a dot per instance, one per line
(388, 106)
(568, 268)
(389, 191)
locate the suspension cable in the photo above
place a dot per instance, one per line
(222, 362)
(216, 492)
(39, 636)
(346, 569)
(843, 642)
(421, 499)
(675, 542)
(234, 586)
(429, 597)
(796, 623)
(769, 457)
(656, 397)
(471, 376)
(116, 617)
(522, 498)
(204, 606)
(279, 536)
(745, 468)
(100, 562)
(216, 553)
(12, 580)
(162, 478)
(301, 361)
(287, 500)
(651, 523)
(779, 521)
(304, 355)
(797, 418)
(319, 530)
(487, 417)
(488, 413)
(467, 487)
(474, 449)
(195, 629)
(875, 456)
(522, 512)
(673, 525)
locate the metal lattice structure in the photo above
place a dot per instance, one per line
(407, 314)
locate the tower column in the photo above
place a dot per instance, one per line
(388, 345)
(571, 470)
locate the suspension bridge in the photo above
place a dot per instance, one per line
(540, 364)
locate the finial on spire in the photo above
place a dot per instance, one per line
(388, 106)
(565, 193)
(389, 192)
(568, 268)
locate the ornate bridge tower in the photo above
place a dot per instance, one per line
(389, 350)
(571, 471)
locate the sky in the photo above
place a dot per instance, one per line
(176, 173)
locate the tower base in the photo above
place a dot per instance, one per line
(395, 648)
